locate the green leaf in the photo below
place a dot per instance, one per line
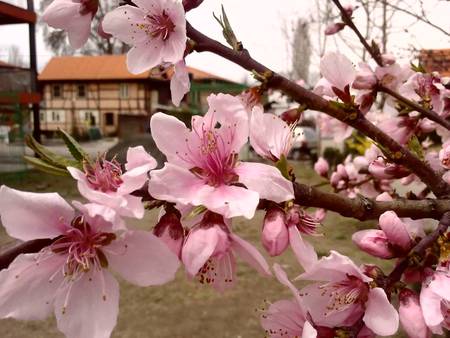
(45, 167)
(227, 31)
(50, 157)
(418, 68)
(416, 147)
(74, 147)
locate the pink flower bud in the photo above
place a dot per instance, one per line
(349, 9)
(374, 242)
(275, 236)
(382, 170)
(291, 116)
(365, 78)
(333, 28)
(321, 167)
(444, 155)
(411, 316)
(171, 232)
(396, 231)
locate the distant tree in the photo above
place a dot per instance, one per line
(301, 51)
(56, 40)
(14, 56)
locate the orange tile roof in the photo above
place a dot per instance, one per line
(104, 67)
(436, 60)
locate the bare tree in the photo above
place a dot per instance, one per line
(56, 40)
(301, 51)
(14, 56)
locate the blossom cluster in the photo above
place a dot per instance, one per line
(204, 185)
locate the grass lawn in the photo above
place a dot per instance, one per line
(183, 308)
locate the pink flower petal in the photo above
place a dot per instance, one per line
(142, 258)
(333, 267)
(250, 254)
(143, 57)
(380, 316)
(121, 22)
(304, 251)
(101, 216)
(79, 31)
(138, 157)
(88, 307)
(170, 135)
(411, 316)
(198, 248)
(266, 180)
(180, 83)
(178, 185)
(283, 319)
(309, 331)
(440, 284)
(431, 309)
(395, 230)
(337, 69)
(231, 201)
(25, 288)
(28, 215)
(283, 279)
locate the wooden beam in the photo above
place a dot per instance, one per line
(10, 14)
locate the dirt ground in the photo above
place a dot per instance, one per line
(184, 308)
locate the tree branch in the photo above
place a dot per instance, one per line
(355, 119)
(430, 114)
(349, 22)
(8, 255)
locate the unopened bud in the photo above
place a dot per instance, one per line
(275, 236)
(171, 232)
(374, 242)
(334, 28)
(321, 167)
(292, 116)
(191, 4)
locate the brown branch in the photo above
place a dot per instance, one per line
(364, 208)
(355, 119)
(8, 255)
(375, 53)
(418, 250)
(430, 114)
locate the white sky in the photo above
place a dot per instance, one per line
(259, 24)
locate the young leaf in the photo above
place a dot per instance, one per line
(227, 31)
(45, 167)
(74, 147)
(416, 147)
(48, 156)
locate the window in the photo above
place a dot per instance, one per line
(89, 118)
(56, 116)
(109, 119)
(56, 91)
(41, 116)
(123, 91)
(81, 90)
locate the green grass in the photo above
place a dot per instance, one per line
(184, 308)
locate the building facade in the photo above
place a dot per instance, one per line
(81, 94)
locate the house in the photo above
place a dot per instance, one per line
(436, 60)
(81, 93)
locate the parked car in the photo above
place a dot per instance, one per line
(306, 143)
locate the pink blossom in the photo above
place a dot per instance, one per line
(422, 87)
(338, 70)
(395, 230)
(209, 253)
(155, 28)
(346, 297)
(203, 166)
(331, 127)
(170, 231)
(374, 242)
(392, 75)
(365, 77)
(179, 83)
(287, 318)
(69, 276)
(321, 167)
(270, 136)
(103, 182)
(411, 316)
(73, 16)
(435, 300)
(275, 236)
(399, 128)
(381, 169)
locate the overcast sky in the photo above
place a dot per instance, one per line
(259, 24)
